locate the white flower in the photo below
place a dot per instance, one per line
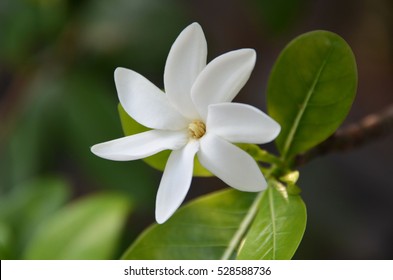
(193, 117)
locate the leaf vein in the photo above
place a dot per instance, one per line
(273, 218)
(302, 109)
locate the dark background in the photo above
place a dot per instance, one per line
(57, 98)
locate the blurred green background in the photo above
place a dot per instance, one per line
(58, 98)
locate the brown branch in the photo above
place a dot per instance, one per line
(368, 129)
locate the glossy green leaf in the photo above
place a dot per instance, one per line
(158, 161)
(268, 225)
(86, 229)
(311, 89)
(278, 227)
(210, 227)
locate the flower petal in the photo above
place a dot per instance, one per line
(140, 145)
(185, 61)
(222, 79)
(241, 123)
(175, 181)
(146, 103)
(230, 163)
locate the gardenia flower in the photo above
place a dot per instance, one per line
(194, 116)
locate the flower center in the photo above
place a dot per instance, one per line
(196, 129)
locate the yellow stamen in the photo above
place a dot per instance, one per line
(196, 129)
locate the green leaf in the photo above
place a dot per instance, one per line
(209, 227)
(86, 229)
(278, 227)
(212, 227)
(26, 206)
(158, 161)
(6, 239)
(310, 90)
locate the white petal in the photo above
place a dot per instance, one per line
(141, 145)
(146, 103)
(222, 79)
(175, 181)
(241, 123)
(230, 163)
(185, 61)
